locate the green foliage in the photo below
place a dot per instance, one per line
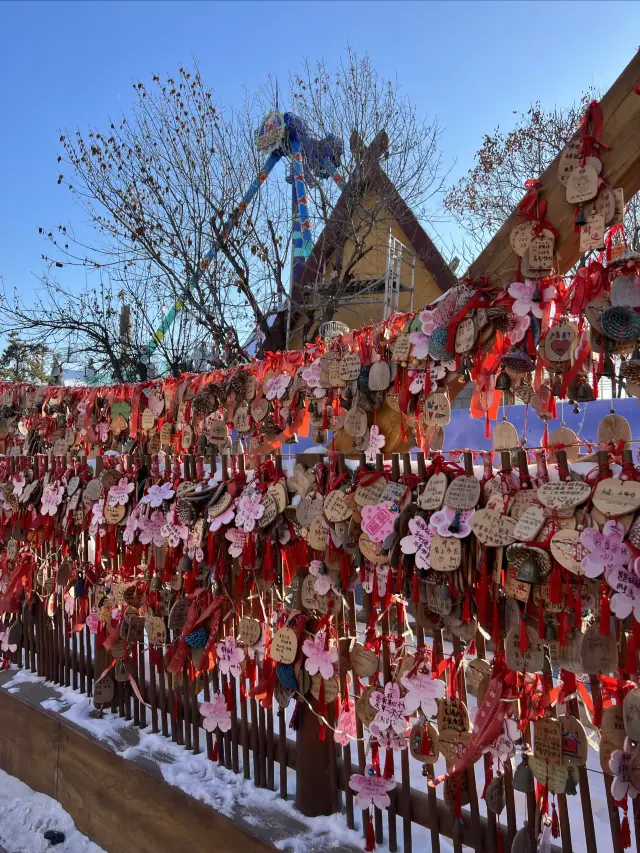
(24, 361)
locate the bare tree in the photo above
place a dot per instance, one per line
(483, 199)
(163, 184)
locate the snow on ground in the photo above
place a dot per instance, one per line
(26, 815)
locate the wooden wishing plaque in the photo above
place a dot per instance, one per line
(555, 776)
(379, 376)
(364, 662)
(424, 743)
(335, 508)
(284, 646)
(445, 554)
(547, 740)
(437, 409)
(574, 741)
(463, 492)
(466, 334)
(564, 495)
(372, 493)
(504, 436)
(559, 342)
(631, 714)
(311, 599)
(582, 184)
(541, 251)
(355, 422)
(402, 348)
(598, 653)
(612, 734)
(617, 497)
(521, 237)
(249, 630)
(492, 528)
(528, 524)
(432, 496)
(530, 661)
(566, 548)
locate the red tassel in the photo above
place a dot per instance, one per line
(545, 435)
(322, 732)
(487, 426)
(375, 758)
(214, 754)
(524, 645)
(605, 613)
(370, 836)
(389, 769)
(625, 833)
(466, 608)
(555, 586)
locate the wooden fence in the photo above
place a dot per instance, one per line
(260, 738)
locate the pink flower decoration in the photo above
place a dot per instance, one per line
(230, 657)
(151, 529)
(420, 343)
(345, 726)
(504, 744)
(129, 532)
(430, 319)
(69, 604)
(156, 404)
(51, 500)
(311, 374)
(524, 293)
(92, 622)
(157, 494)
(389, 706)
(371, 789)
(225, 518)
(97, 513)
(319, 659)
(422, 692)
(237, 538)
(4, 642)
(376, 443)
(249, 509)
(417, 380)
(389, 739)
(418, 542)
(19, 483)
(174, 531)
(258, 651)
(216, 714)
(451, 522)
(276, 386)
(606, 550)
(323, 579)
(378, 520)
(626, 584)
(619, 767)
(119, 495)
(520, 329)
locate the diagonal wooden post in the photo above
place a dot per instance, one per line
(621, 165)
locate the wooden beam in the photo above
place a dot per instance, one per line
(621, 165)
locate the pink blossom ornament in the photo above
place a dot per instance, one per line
(418, 541)
(93, 622)
(319, 659)
(51, 500)
(422, 692)
(157, 494)
(420, 343)
(119, 494)
(376, 443)
(311, 374)
(502, 746)
(276, 386)
(230, 657)
(249, 510)
(450, 522)
(430, 320)
(19, 483)
(378, 520)
(5, 646)
(69, 604)
(345, 726)
(389, 739)
(621, 785)
(129, 532)
(607, 550)
(216, 714)
(220, 520)
(417, 378)
(371, 789)
(323, 579)
(151, 529)
(389, 706)
(97, 513)
(516, 335)
(156, 404)
(626, 586)
(102, 430)
(524, 294)
(236, 538)
(174, 531)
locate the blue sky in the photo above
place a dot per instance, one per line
(470, 64)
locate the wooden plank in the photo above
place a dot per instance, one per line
(621, 165)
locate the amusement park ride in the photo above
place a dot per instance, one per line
(280, 136)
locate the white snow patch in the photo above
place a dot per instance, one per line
(26, 815)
